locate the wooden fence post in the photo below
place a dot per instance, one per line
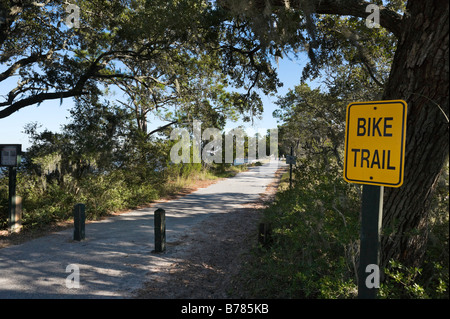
(160, 230)
(79, 218)
(15, 218)
(265, 234)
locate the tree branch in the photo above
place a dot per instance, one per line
(372, 75)
(22, 62)
(38, 98)
(388, 19)
(162, 128)
(91, 72)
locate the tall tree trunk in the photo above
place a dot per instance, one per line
(420, 76)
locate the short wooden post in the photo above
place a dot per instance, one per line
(12, 198)
(265, 234)
(15, 221)
(79, 218)
(290, 168)
(160, 230)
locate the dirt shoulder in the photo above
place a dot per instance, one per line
(9, 239)
(211, 255)
(202, 264)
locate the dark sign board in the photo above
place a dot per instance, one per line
(10, 154)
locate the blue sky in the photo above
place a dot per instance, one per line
(51, 115)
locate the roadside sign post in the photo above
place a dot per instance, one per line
(10, 157)
(291, 160)
(371, 217)
(375, 135)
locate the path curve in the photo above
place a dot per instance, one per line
(116, 255)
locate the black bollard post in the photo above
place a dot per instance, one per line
(160, 230)
(79, 218)
(265, 234)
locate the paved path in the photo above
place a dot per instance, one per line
(116, 255)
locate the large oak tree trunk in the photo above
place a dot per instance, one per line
(420, 76)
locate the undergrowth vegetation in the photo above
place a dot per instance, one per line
(46, 202)
(314, 250)
(315, 244)
(100, 159)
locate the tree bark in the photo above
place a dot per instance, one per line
(420, 76)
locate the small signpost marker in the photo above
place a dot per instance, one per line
(375, 135)
(79, 222)
(160, 230)
(371, 217)
(10, 157)
(291, 160)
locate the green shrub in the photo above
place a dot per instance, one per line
(315, 230)
(411, 282)
(315, 233)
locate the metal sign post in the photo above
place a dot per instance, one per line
(371, 217)
(375, 135)
(290, 168)
(291, 160)
(10, 157)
